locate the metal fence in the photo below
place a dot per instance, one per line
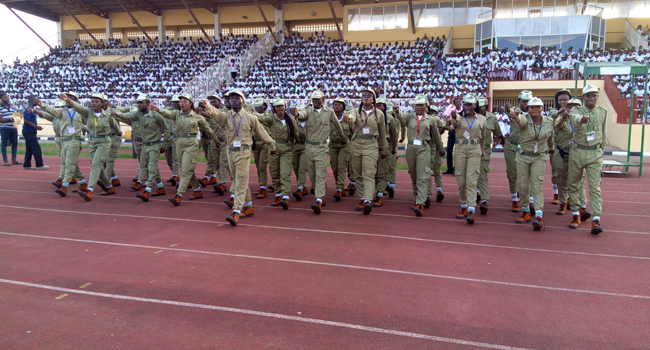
(633, 37)
(534, 74)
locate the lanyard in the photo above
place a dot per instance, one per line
(536, 130)
(470, 125)
(590, 126)
(71, 116)
(418, 118)
(234, 124)
(96, 119)
(367, 116)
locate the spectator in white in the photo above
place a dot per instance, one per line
(504, 123)
(234, 69)
(8, 131)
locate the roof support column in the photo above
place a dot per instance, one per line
(136, 22)
(279, 19)
(79, 23)
(336, 21)
(268, 26)
(109, 27)
(59, 29)
(162, 33)
(199, 23)
(217, 26)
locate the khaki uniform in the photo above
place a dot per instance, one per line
(152, 127)
(69, 144)
(240, 127)
(281, 162)
(436, 159)
(553, 113)
(299, 156)
(170, 151)
(531, 159)
(467, 156)
(368, 144)
(563, 141)
(381, 178)
(261, 154)
(100, 126)
(492, 129)
(590, 140)
(510, 152)
(216, 157)
(317, 130)
(340, 153)
(187, 144)
(392, 158)
(421, 138)
(136, 137)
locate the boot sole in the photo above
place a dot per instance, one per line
(173, 201)
(315, 208)
(523, 222)
(158, 195)
(574, 227)
(142, 197)
(460, 217)
(195, 198)
(136, 188)
(83, 195)
(440, 198)
(218, 190)
(229, 204)
(297, 196)
(417, 212)
(391, 192)
(352, 192)
(284, 205)
(59, 192)
(367, 209)
(586, 216)
(57, 185)
(337, 197)
(484, 210)
(231, 220)
(596, 230)
(106, 194)
(470, 220)
(537, 226)
(560, 213)
(375, 205)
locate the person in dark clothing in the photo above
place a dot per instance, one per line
(30, 129)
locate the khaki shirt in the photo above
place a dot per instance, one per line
(278, 130)
(301, 131)
(375, 124)
(391, 130)
(441, 126)
(246, 125)
(170, 123)
(64, 117)
(335, 137)
(99, 124)
(152, 125)
(514, 128)
(530, 134)
(491, 128)
(318, 124)
(596, 127)
(190, 123)
(563, 133)
(475, 125)
(428, 132)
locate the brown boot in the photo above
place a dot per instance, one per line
(196, 195)
(470, 217)
(233, 219)
(230, 202)
(360, 205)
(81, 187)
(584, 214)
(338, 195)
(576, 222)
(538, 224)
(58, 183)
(86, 194)
(108, 192)
(116, 182)
(284, 204)
(316, 207)
(378, 202)
(439, 196)
(160, 192)
(418, 209)
(204, 181)
(176, 200)
(277, 201)
(516, 208)
(247, 212)
(220, 189)
(367, 208)
(427, 202)
(463, 213)
(173, 180)
(137, 186)
(595, 227)
(261, 194)
(562, 209)
(525, 217)
(62, 191)
(213, 180)
(144, 196)
(483, 208)
(73, 181)
(556, 199)
(390, 191)
(297, 195)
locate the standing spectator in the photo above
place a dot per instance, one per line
(234, 69)
(30, 128)
(8, 132)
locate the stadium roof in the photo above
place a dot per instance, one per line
(52, 10)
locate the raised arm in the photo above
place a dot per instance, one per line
(206, 131)
(211, 112)
(77, 107)
(50, 111)
(115, 126)
(260, 132)
(334, 121)
(165, 113)
(519, 119)
(392, 132)
(165, 128)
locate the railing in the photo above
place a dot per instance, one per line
(622, 104)
(633, 37)
(449, 46)
(114, 52)
(547, 11)
(257, 50)
(535, 74)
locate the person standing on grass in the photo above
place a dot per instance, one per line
(8, 131)
(30, 129)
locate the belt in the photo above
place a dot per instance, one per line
(179, 136)
(365, 137)
(256, 139)
(516, 143)
(300, 143)
(565, 149)
(112, 134)
(531, 154)
(136, 139)
(281, 141)
(152, 143)
(588, 148)
(335, 142)
(564, 152)
(97, 136)
(64, 139)
(468, 142)
(172, 133)
(317, 143)
(237, 149)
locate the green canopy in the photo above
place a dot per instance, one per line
(611, 68)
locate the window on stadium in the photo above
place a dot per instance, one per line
(195, 33)
(152, 34)
(378, 17)
(249, 31)
(450, 13)
(310, 28)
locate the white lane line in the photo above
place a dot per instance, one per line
(266, 314)
(356, 267)
(348, 212)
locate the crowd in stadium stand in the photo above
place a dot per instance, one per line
(160, 71)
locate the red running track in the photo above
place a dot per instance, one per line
(117, 272)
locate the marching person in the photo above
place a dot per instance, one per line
(535, 139)
(261, 150)
(564, 131)
(512, 145)
(422, 132)
(491, 128)
(239, 126)
(392, 158)
(470, 138)
(283, 131)
(116, 139)
(436, 159)
(100, 125)
(367, 146)
(318, 118)
(151, 124)
(299, 156)
(170, 151)
(220, 154)
(188, 124)
(381, 178)
(590, 140)
(340, 152)
(562, 98)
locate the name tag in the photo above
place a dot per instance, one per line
(417, 142)
(466, 134)
(366, 131)
(236, 143)
(198, 136)
(591, 135)
(535, 148)
(71, 130)
(302, 124)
